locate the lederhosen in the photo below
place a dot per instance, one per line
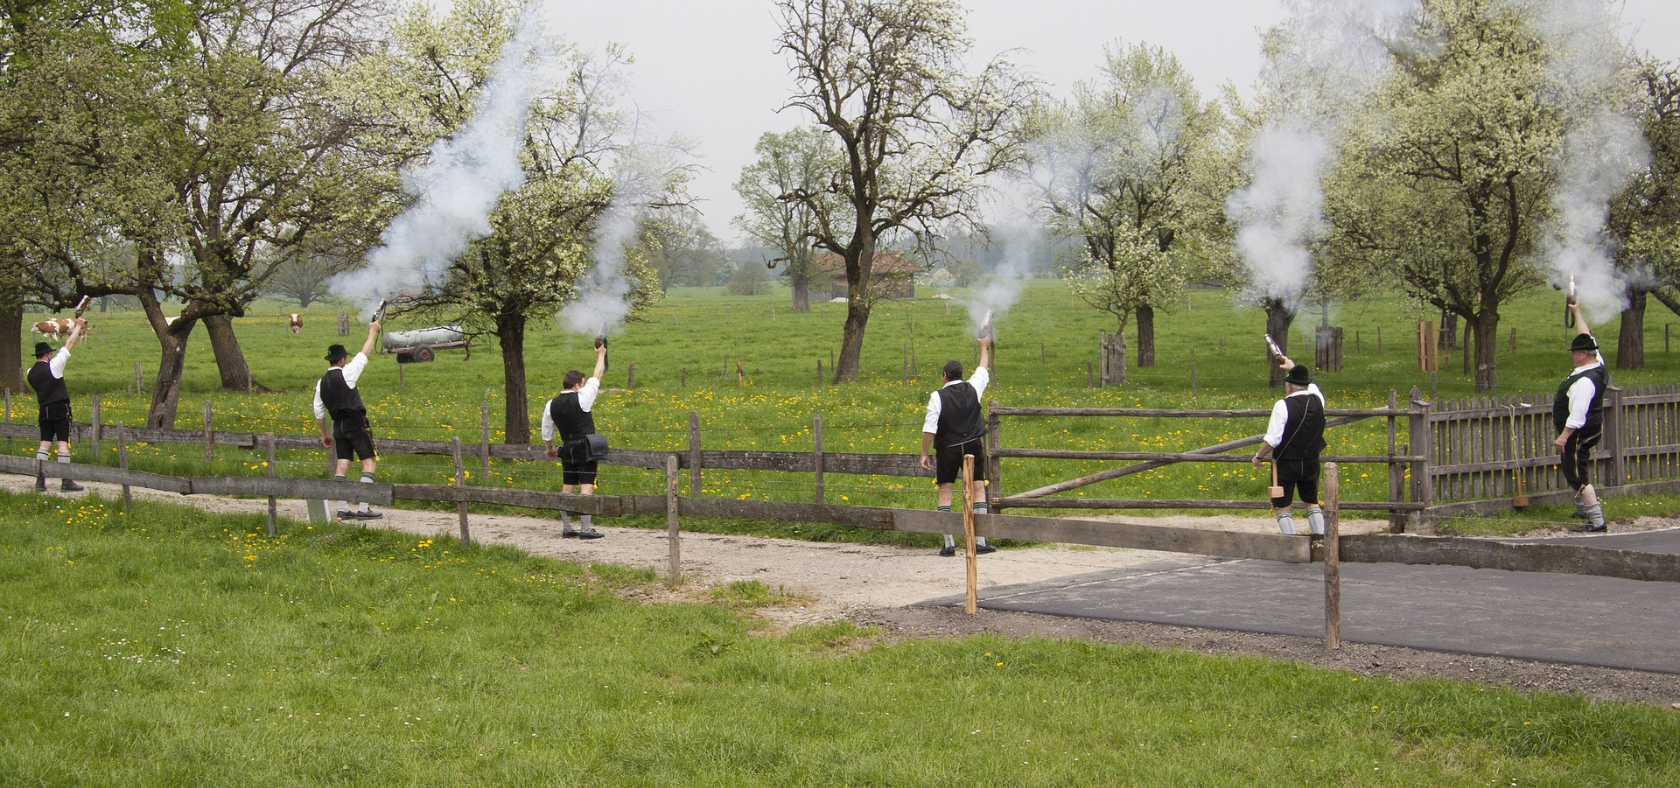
(1296, 456)
(54, 398)
(352, 433)
(1576, 461)
(574, 424)
(960, 431)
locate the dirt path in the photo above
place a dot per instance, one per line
(879, 585)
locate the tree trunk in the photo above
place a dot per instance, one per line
(1449, 330)
(11, 342)
(801, 292)
(1484, 339)
(1467, 362)
(1146, 335)
(510, 332)
(1630, 344)
(1278, 320)
(851, 341)
(230, 358)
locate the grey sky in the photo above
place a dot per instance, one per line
(709, 72)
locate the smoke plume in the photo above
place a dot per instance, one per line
(641, 183)
(458, 187)
(1603, 150)
(1321, 61)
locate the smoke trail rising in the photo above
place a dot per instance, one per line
(466, 173)
(1003, 288)
(1322, 60)
(1603, 151)
(640, 182)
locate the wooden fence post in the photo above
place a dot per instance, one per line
(8, 416)
(1192, 378)
(139, 384)
(1379, 340)
(209, 433)
(1332, 560)
(1513, 339)
(1090, 376)
(685, 376)
(1423, 445)
(273, 504)
(1396, 473)
(484, 437)
(93, 424)
(819, 372)
(971, 600)
(122, 465)
(817, 454)
(994, 463)
(1616, 433)
(694, 454)
(630, 378)
(673, 529)
(460, 481)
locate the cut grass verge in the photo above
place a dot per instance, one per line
(171, 647)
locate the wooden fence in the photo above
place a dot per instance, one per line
(1459, 457)
(1484, 451)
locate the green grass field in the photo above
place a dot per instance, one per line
(1045, 343)
(169, 647)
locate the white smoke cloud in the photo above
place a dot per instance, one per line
(1003, 287)
(1603, 150)
(1323, 60)
(458, 186)
(640, 182)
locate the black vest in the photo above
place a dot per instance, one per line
(1595, 407)
(570, 418)
(341, 401)
(48, 389)
(959, 415)
(1303, 428)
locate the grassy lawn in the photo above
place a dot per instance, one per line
(1045, 343)
(170, 647)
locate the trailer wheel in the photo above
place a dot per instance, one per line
(422, 354)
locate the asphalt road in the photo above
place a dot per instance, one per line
(1554, 617)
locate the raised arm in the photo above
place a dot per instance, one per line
(600, 362)
(1580, 320)
(373, 331)
(986, 352)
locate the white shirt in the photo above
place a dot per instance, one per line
(1580, 395)
(352, 373)
(57, 362)
(979, 380)
(1280, 414)
(586, 400)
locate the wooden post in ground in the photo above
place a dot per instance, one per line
(1090, 376)
(139, 384)
(673, 531)
(209, 433)
(1513, 339)
(971, 602)
(1332, 560)
(93, 425)
(273, 504)
(630, 378)
(684, 380)
(819, 372)
(994, 463)
(1379, 340)
(694, 454)
(122, 465)
(817, 454)
(460, 481)
(1396, 474)
(484, 438)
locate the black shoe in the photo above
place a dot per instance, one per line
(590, 534)
(40, 484)
(346, 514)
(69, 486)
(367, 515)
(984, 549)
(568, 534)
(1589, 528)
(947, 551)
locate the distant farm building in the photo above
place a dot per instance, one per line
(894, 276)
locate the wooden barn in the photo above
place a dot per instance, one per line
(894, 276)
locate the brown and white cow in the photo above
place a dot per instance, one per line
(54, 328)
(295, 323)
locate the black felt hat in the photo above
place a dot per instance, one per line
(42, 348)
(336, 352)
(1297, 376)
(1583, 342)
